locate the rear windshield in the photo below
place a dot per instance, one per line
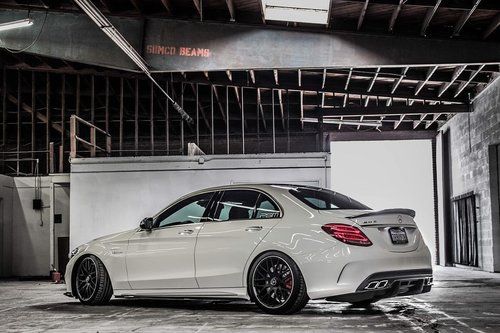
(322, 199)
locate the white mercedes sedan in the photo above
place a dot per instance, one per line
(276, 245)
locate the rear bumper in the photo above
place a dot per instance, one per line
(390, 284)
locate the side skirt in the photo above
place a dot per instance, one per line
(209, 293)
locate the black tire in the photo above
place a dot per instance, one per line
(276, 284)
(92, 282)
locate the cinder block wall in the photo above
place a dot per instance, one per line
(470, 137)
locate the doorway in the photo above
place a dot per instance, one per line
(61, 226)
(465, 249)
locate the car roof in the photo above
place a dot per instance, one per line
(258, 186)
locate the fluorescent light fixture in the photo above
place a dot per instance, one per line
(105, 25)
(304, 11)
(16, 24)
(343, 122)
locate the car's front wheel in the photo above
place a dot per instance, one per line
(92, 282)
(276, 284)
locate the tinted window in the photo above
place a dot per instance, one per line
(325, 199)
(190, 210)
(266, 208)
(236, 205)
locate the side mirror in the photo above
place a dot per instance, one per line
(146, 223)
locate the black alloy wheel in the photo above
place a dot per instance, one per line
(276, 284)
(92, 282)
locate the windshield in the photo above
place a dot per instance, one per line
(322, 199)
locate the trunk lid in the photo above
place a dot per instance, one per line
(377, 225)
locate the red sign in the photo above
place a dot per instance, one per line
(181, 51)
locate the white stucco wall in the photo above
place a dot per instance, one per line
(111, 195)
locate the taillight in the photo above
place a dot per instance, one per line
(347, 234)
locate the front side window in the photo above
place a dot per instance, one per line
(190, 210)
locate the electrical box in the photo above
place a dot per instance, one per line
(37, 204)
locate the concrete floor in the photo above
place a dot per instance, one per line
(461, 301)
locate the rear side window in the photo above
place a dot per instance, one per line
(245, 205)
(266, 208)
(236, 205)
(322, 199)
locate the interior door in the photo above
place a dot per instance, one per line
(164, 257)
(238, 222)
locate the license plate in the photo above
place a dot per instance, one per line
(398, 236)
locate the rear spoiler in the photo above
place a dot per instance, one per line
(399, 211)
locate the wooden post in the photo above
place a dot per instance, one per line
(47, 127)
(51, 157)
(92, 142)
(227, 119)
(4, 109)
(151, 120)
(77, 111)
(182, 121)
(120, 144)
(106, 107)
(136, 117)
(108, 144)
(197, 118)
(63, 122)
(18, 136)
(212, 119)
(167, 123)
(92, 99)
(72, 135)
(242, 121)
(61, 159)
(33, 121)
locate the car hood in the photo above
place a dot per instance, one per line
(119, 236)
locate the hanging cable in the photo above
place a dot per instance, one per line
(34, 40)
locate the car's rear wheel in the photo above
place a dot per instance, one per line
(92, 282)
(276, 284)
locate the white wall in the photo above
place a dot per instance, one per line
(113, 194)
(30, 229)
(6, 190)
(388, 174)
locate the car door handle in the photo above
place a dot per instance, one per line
(254, 228)
(186, 232)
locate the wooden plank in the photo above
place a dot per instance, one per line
(72, 136)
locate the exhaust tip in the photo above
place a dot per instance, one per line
(377, 285)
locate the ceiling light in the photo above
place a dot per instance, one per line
(304, 11)
(343, 122)
(16, 24)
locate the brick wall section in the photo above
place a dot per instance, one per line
(470, 137)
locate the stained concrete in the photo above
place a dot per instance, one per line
(461, 301)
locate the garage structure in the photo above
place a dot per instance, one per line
(247, 81)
